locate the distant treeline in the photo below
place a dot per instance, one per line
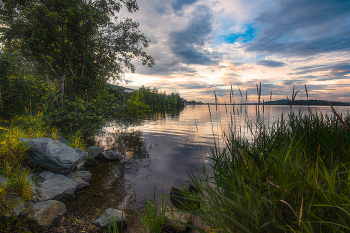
(158, 99)
(307, 102)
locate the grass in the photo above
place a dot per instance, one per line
(292, 177)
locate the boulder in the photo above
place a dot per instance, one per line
(94, 151)
(82, 178)
(112, 155)
(54, 187)
(106, 218)
(53, 155)
(46, 212)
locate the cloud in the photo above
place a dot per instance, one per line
(188, 44)
(329, 71)
(298, 27)
(179, 4)
(271, 63)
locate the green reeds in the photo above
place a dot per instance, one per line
(153, 221)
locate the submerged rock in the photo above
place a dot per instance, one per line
(106, 218)
(54, 187)
(46, 212)
(53, 155)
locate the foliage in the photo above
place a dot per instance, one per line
(20, 87)
(156, 99)
(80, 44)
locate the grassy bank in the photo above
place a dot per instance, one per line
(293, 177)
(13, 164)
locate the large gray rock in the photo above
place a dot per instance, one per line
(112, 155)
(106, 218)
(54, 187)
(53, 155)
(82, 178)
(94, 151)
(47, 211)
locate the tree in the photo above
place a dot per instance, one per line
(77, 43)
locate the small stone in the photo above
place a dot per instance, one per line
(47, 211)
(3, 180)
(106, 218)
(17, 210)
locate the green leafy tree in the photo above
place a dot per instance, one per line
(79, 44)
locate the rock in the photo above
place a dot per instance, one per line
(47, 211)
(94, 151)
(175, 220)
(3, 181)
(53, 155)
(55, 187)
(118, 215)
(91, 161)
(112, 155)
(82, 178)
(17, 210)
(84, 154)
(179, 200)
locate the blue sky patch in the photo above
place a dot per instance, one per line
(247, 36)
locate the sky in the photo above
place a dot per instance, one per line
(202, 46)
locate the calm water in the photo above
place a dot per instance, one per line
(163, 149)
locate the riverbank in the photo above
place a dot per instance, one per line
(301, 145)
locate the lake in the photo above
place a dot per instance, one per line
(163, 148)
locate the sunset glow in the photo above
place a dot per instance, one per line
(202, 46)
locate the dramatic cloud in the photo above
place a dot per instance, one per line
(205, 46)
(298, 27)
(188, 43)
(270, 63)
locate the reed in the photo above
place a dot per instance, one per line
(292, 177)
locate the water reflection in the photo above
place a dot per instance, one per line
(163, 148)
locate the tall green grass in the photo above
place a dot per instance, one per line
(293, 177)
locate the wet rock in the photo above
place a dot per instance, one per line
(54, 187)
(112, 155)
(94, 151)
(82, 178)
(53, 155)
(47, 211)
(106, 218)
